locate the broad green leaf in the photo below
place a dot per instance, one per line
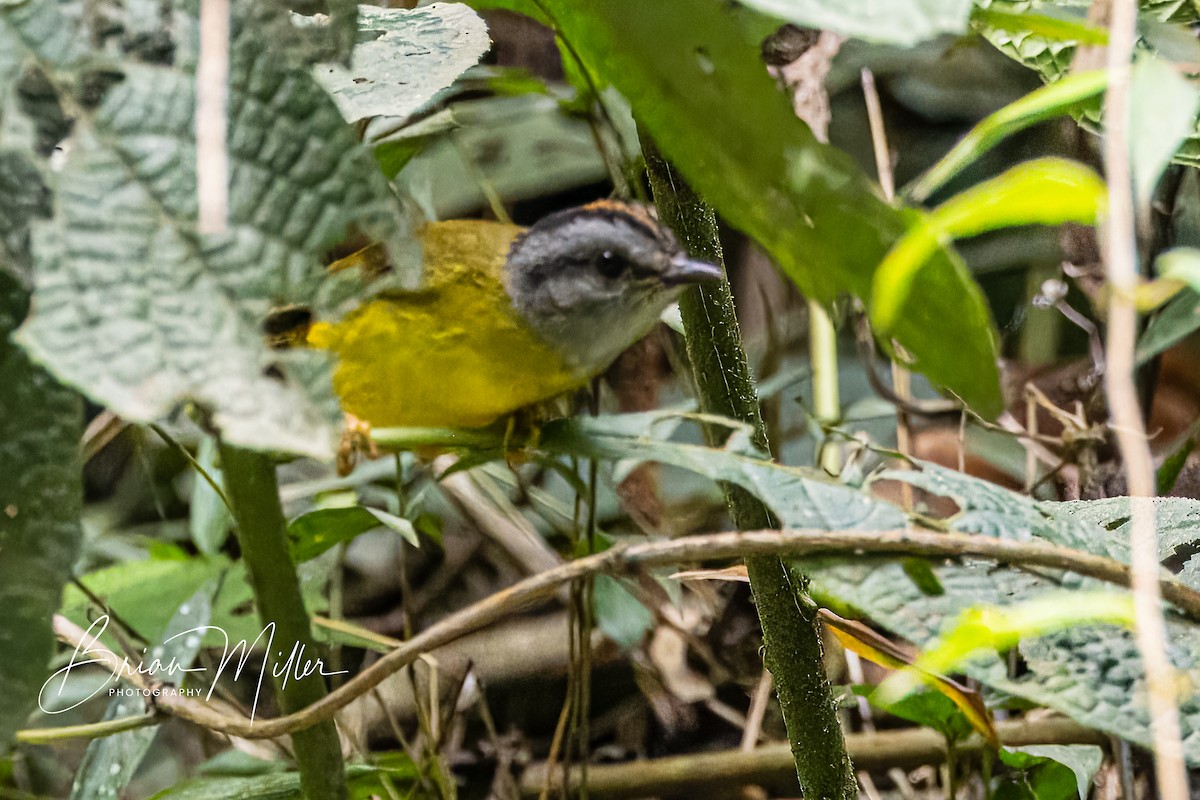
(138, 310)
(315, 532)
(404, 58)
(1047, 191)
(41, 498)
(209, 518)
(363, 782)
(1039, 105)
(1092, 673)
(800, 498)
(1166, 475)
(700, 89)
(901, 22)
(620, 615)
(1083, 760)
(1177, 320)
(110, 763)
(1044, 26)
(1162, 115)
(145, 594)
(924, 707)
(994, 629)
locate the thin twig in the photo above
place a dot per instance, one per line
(707, 774)
(1120, 246)
(212, 117)
(542, 587)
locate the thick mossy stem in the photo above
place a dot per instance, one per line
(262, 534)
(791, 638)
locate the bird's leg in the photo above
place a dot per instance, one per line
(356, 440)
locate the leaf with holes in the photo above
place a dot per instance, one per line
(404, 59)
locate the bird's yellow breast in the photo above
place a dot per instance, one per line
(453, 353)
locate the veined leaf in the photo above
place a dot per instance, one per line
(1161, 116)
(142, 313)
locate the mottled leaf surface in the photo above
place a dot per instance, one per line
(404, 59)
(140, 311)
(41, 497)
(898, 22)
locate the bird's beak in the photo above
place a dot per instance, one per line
(685, 269)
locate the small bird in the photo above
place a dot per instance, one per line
(507, 317)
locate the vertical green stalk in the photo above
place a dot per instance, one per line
(791, 638)
(262, 533)
(827, 405)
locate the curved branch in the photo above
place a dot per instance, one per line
(542, 587)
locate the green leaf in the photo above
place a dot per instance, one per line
(41, 497)
(1047, 191)
(1062, 97)
(1083, 760)
(800, 498)
(317, 531)
(929, 708)
(110, 763)
(1181, 264)
(1177, 320)
(209, 519)
(620, 615)
(404, 59)
(142, 313)
(1162, 115)
(700, 89)
(276, 786)
(1090, 672)
(901, 22)
(1168, 473)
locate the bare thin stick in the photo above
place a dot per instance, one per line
(212, 116)
(901, 379)
(758, 710)
(1120, 252)
(542, 587)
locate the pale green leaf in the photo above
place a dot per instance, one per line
(1177, 320)
(143, 314)
(620, 615)
(900, 22)
(209, 518)
(1082, 759)
(1162, 115)
(1181, 264)
(404, 58)
(315, 532)
(1047, 191)
(109, 763)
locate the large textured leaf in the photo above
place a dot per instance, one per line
(109, 763)
(404, 59)
(135, 308)
(1091, 672)
(41, 495)
(701, 90)
(901, 22)
(800, 498)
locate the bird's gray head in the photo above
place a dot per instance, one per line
(593, 280)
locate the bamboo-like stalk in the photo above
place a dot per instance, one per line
(791, 638)
(262, 533)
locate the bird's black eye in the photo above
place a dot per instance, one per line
(610, 264)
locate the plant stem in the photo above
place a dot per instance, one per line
(1119, 244)
(262, 533)
(827, 406)
(791, 638)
